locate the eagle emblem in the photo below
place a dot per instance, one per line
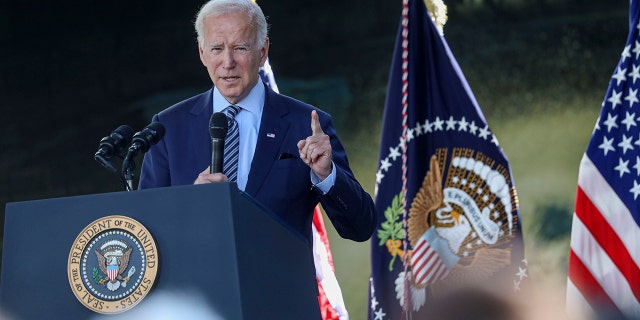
(113, 260)
(456, 227)
(113, 264)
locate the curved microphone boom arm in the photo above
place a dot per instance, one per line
(142, 141)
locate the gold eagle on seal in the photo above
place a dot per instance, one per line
(113, 262)
(431, 212)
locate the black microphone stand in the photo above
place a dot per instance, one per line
(129, 166)
(142, 141)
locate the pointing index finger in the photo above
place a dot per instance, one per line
(316, 129)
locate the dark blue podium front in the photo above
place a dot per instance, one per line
(211, 239)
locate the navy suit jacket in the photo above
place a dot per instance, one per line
(281, 183)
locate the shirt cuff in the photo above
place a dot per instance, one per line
(327, 183)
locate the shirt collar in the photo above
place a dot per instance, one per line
(254, 102)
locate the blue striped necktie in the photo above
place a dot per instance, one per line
(231, 144)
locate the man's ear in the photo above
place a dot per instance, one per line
(264, 52)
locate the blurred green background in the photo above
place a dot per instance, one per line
(72, 72)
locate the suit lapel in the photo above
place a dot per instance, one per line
(199, 130)
(273, 130)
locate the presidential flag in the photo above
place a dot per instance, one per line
(604, 259)
(330, 299)
(447, 206)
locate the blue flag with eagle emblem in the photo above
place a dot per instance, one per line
(448, 215)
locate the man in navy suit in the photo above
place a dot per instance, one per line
(289, 157)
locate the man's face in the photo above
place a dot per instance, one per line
(230, 52)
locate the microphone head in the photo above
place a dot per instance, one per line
(218, 125)
(115, 142)
(123, 135)
(157, 130)
(149, 136)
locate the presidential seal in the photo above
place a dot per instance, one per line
(113, 264)
(459, 229)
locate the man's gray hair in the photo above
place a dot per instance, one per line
(221, 7)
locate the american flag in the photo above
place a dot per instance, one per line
(604, 260)
(448, 212)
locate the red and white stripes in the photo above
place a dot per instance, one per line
(604, 261)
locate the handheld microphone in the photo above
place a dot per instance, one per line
(218, 127)
(113, 145)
